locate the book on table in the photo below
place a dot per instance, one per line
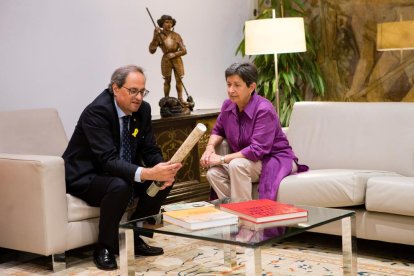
(200, 218)
(185, 205)
(270, 224)
(264, 210)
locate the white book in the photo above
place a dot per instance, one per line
(200, 218)
(186, 205)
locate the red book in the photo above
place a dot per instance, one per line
(264, 210)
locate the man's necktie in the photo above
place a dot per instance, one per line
(126, 143)
(126, 148)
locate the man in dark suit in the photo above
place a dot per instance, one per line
(106, 166)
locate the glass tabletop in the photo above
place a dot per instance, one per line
(240, 234)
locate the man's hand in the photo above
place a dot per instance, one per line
(164, 172)
(166, 184)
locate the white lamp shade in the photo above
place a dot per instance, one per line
(275, 36)
(395, 36)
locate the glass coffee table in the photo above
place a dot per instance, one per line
(241, 235)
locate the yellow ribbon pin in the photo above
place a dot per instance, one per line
(135, 132)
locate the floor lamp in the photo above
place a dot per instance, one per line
(275, 36)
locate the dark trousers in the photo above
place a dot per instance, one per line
(112, 195)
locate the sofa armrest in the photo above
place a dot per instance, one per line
(33, 208)
(223, 148)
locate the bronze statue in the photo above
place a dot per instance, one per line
(173, 48)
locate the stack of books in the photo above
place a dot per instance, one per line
(254, 214)
(263, 213)
(200, 218)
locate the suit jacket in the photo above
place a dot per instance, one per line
(95, 144)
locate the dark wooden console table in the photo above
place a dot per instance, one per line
(191, 183)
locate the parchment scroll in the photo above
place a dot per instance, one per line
(180, 154)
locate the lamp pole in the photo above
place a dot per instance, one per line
(276, 101)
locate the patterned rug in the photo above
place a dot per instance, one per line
(307, 254)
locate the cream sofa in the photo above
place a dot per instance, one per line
(36, 214)
(361, 157)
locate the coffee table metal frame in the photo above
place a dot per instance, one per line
(317, 216)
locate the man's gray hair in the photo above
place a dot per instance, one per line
(120, 75)
(246, 71)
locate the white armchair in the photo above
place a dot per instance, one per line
(36, 214)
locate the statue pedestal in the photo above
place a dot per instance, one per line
(171, 107)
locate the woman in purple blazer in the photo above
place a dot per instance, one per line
(260, 149)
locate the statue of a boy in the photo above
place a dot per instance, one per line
(173, 48)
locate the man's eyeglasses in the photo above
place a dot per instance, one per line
(135, 91)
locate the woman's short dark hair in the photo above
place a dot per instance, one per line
(120, 75)
(246, 71)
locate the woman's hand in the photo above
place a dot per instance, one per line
(210, 158)
(214, 160)
(205, 158)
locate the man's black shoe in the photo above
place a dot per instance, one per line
(104, 259)
(143, 249)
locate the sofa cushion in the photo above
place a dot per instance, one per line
(79, 209)
(32, 131)
(327, 188)
(392, 195)
(338, 135)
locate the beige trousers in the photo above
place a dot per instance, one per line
(237, 178)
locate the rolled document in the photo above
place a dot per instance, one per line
(180, 154)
